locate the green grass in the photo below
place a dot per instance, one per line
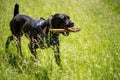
(91, 54)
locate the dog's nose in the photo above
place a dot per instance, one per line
(72, 24)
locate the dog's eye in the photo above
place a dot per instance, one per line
(68, 17)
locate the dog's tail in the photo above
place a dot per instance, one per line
(16, 9)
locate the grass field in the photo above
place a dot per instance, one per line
(91, 54)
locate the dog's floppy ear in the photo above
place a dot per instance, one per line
(55, 15)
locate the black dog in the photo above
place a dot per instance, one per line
(38, 32)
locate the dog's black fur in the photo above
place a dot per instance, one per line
(39, 34)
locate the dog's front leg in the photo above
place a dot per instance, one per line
(57, 55)
(54, 41)
(32, 48)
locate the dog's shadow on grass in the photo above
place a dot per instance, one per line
(28, 67)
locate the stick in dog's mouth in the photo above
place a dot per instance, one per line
(65, 30)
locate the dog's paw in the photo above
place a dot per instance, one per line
(34, 59)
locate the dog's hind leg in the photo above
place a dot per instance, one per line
(9, 39)
(18, 45)
(17, 41)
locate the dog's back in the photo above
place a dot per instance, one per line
(18, 21)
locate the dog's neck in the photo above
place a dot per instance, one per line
(52, 26)
(50, 23)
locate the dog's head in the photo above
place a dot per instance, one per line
(61, 21)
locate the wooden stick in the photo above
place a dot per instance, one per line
(73, 29)
(65, 30)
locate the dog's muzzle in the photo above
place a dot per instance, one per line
(68, 24)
